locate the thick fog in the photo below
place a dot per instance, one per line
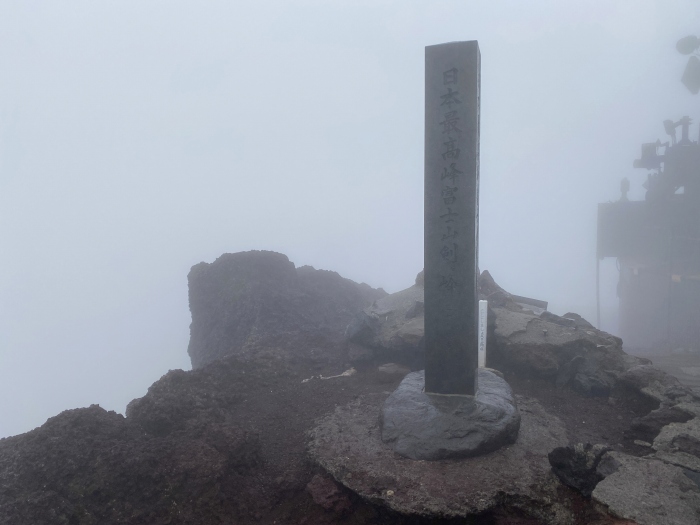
(140, 138)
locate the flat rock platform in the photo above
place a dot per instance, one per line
(347, 444)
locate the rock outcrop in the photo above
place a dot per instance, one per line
(560, 349)
(566, 349)
(569, 352)
(648, 491)
(244, 301)
(576, 465)
(228, 442)
(90, 466)
(392, 327)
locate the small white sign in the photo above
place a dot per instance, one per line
(483, 314)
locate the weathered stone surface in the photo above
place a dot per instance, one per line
(426, 426)
(494, 294)
(576, 465)
(451, 209)
(89, 465)
(348, 445)
(557, 319)
(416, 310)
(225, 443)
(243, 299)
(579, 321)
(657, 385)
(565, 349)
(647, 491)
(326, 493)
(679, 443)
(558, 349)
(392, 327)
(647, 427)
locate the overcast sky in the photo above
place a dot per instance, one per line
(138, 138)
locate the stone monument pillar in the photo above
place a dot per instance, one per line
(452, 84)
(444, 412)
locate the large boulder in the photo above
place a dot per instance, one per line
(648, 491)
(430, 427)
(92, 466)
(392, 327)
(576, 465)
(243, 300)
(657, 385)
(679, 444)
(648, 426)
(565, 349)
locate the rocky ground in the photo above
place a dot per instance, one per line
(684, 365)
(223, 444)
(229, 442)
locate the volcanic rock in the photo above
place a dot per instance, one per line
(392, 327)
(566, 349)
(89, 465)
(546, 347)
(243, 301)
(391, 371)
(657, 385)
(226, 443)
(647, 427)
(576, 465)
(648, 491)
(679, 444)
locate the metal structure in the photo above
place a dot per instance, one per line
(690, 45)
(657, 245)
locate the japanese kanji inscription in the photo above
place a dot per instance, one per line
(452, 83)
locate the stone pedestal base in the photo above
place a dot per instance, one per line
(347, 444)
(431, 427)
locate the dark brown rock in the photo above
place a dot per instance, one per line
(92, 466)
(576, 466)
(243, 300)
(329, 495)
